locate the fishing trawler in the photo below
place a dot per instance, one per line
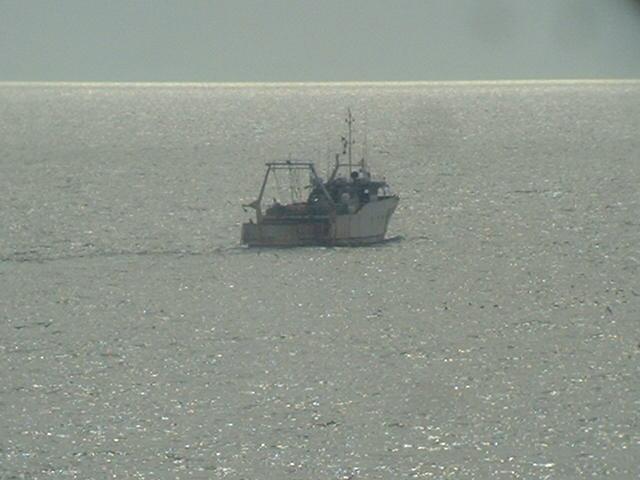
(344, 210)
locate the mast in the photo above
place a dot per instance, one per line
(350, 142)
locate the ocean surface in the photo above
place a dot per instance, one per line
(497, 337)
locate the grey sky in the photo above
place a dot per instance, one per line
(318, 40)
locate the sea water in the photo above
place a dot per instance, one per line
(498, 338)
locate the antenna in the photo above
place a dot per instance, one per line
(328, 157)
(365, 147)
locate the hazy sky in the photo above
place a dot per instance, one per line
(318, 40)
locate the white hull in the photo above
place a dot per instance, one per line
(365, 226)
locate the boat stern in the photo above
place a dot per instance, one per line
(285, 234)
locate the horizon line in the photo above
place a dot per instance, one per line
(346, 83)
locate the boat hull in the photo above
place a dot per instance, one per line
(366, 226)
